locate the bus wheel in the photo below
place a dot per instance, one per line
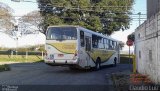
(115, 62)
(98, 64)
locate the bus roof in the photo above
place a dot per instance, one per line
(87, 30)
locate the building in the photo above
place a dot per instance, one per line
(153, 7)
(147, 43)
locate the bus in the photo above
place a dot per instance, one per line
(78, 47)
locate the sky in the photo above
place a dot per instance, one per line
(22, 8)
(139, 6)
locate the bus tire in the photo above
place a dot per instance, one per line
(115, 62)
(98, 64)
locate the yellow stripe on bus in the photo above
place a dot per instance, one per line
(104, 55)
(68, 48)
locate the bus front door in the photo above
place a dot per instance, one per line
(88, 48)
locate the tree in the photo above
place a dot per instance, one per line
(33, 18)
(6, 19)
(104, 16)
(131, 37)
(121, 44)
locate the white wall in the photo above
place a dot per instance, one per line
(147, 38)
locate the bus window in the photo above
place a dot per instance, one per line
(104, 43)
(115, 45)
(107, 44)
(110, 44)
(62, 33)
(82, 38)
(100, 39)
(100, 44)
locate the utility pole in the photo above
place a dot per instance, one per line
(139, 18)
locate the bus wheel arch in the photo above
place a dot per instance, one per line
(115, 61)
(98, 63)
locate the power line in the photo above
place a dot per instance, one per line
(55, 5)
(109, 19)
(88, 10)
(105, 13)
(78, 8)
(132, 18)
(86, 17)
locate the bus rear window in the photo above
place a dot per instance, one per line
(62, 33)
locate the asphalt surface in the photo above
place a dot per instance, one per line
(42, 74)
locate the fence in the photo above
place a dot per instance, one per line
(30, 56)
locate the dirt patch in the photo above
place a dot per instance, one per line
(121, 80)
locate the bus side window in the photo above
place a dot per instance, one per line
(115, 45)
(110, 44)
(107, 44)
(100, 43)
(104, 43)
(82, 38)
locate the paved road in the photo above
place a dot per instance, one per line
(42, 74)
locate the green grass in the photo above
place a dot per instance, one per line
(124, 59)
(4, 67)
(20, 58)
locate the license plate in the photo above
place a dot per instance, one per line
(60, 55)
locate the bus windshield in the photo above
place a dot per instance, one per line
(62, 33)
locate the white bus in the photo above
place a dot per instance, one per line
(78, 47)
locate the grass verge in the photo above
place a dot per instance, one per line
(20, 58)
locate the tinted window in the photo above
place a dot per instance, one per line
(62, 33)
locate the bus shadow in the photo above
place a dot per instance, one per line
(67, 70)
(107, 66)
(75, 71)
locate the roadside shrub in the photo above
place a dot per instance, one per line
(4, 67)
